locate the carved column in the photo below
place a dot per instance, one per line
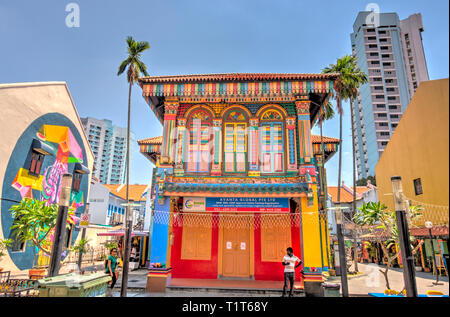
(307, 167)
(216, 146)
(180, 147)
(304, 130)
(291, 145)
(169, 131)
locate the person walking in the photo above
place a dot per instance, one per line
(111, 265)
(289, 261)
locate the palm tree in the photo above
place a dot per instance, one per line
(135, 68)
(346, 87)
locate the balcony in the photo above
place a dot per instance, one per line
(372, 57)
(378, 108)
(385, 41)
(383, 137)
(378, 98)
(397, 109)
(374, 48)
(388, 66)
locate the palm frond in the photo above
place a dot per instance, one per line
(123, 66)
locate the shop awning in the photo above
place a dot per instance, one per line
(121, 233)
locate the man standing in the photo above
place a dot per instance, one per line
(289, 261)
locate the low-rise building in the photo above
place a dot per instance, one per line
(418, 152)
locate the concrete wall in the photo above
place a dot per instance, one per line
(419, 148)
(98, 204)
(26, 108)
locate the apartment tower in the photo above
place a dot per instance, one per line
(391, 53)
(109, 144)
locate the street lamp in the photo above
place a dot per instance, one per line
(429, 225)
(60, 227)
(409, 273)
(341, 246)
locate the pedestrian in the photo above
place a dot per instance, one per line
(111, 265)
(289, 261)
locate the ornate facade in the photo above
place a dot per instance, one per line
(239, 176)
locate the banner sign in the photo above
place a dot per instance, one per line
(193, 204)
(250, 204)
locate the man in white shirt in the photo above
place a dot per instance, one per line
(289, 261)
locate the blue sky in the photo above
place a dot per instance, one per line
(191, 37)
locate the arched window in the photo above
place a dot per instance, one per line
(235, 141)
(272, 140)
(199, 125)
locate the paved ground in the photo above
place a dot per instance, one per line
(373, 281)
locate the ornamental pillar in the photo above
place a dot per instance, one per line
(253, 147)
(180, 147)
(291, 145)
(169, 133)
(304, 130)
(314, 245)
(216, 145)
(306, 160)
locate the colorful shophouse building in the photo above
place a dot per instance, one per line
(239, 175)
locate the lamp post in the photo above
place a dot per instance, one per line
(60, 227)
(342, 260)
(429, 225)
(409, 273)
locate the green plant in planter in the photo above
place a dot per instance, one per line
(34, 221)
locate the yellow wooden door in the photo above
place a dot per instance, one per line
(235, 250)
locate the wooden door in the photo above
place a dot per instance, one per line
(235, 249)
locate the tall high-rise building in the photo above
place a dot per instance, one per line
(109, 144)
(391, 53)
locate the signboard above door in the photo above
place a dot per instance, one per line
(248, 204)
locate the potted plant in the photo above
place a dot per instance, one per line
(4, 244)
(34, 222)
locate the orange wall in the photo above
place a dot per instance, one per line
(419, 148)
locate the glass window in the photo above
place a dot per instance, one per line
(235, 139)
(418, 186)
(272, 153)
(36, 163)
(199, 137)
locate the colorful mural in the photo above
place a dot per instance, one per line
(48, 148)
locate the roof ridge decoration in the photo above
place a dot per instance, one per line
(236, 76)
(239, 86)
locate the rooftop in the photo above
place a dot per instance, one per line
(135, 191)
(234, 77)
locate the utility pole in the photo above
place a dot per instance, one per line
(83, 236)
(60, 227)
(409, 273)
